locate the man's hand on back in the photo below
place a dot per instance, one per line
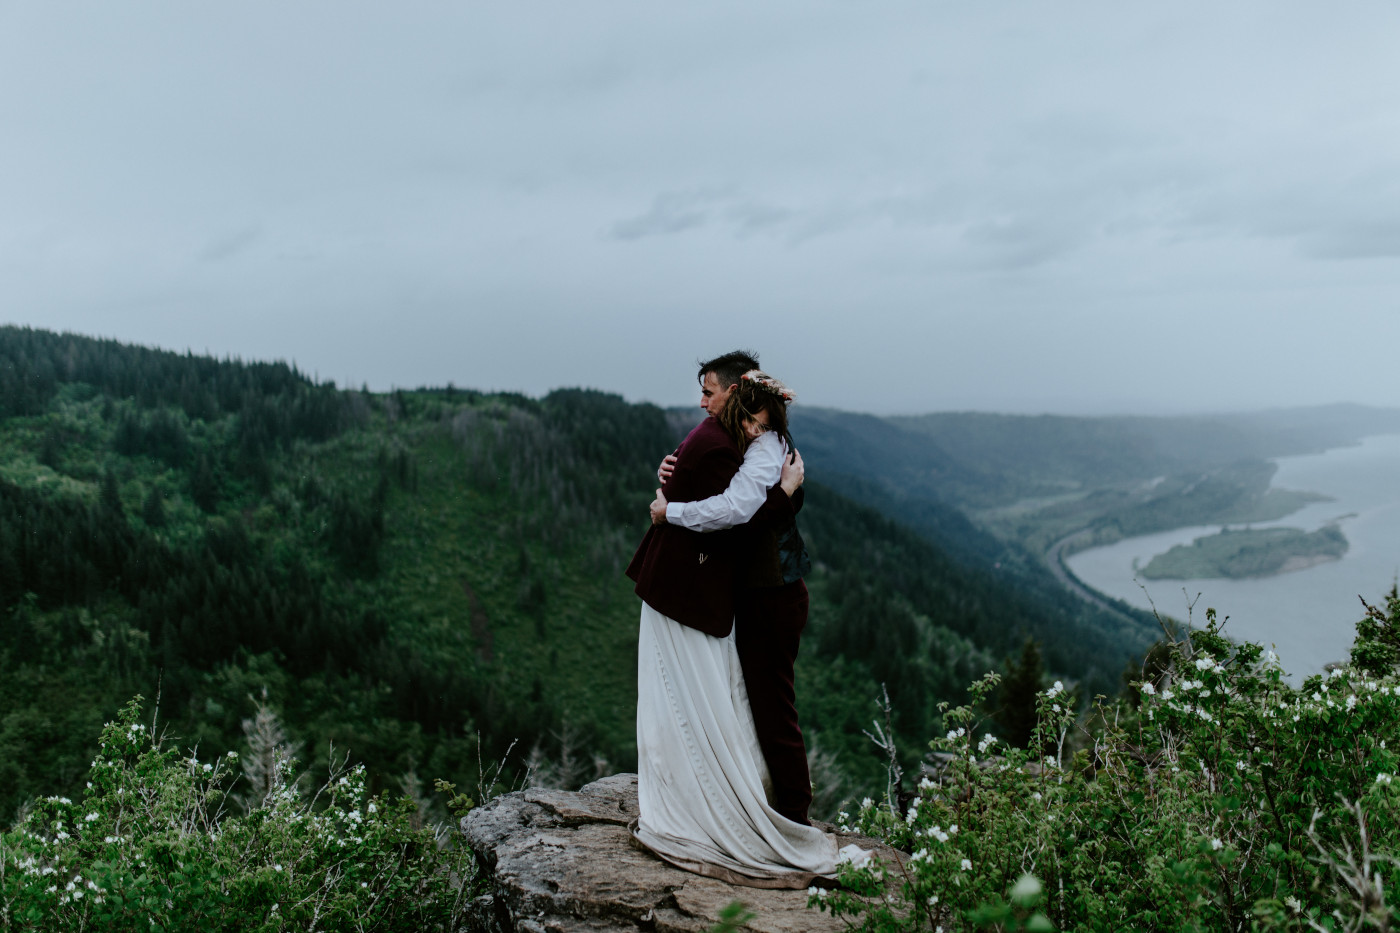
(667, 467)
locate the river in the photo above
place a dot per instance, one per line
(1309, 616)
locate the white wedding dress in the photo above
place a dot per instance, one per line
(701, 775)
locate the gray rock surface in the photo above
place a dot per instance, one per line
(564, 862)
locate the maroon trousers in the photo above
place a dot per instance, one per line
(768, 623)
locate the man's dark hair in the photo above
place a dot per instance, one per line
(730, 368)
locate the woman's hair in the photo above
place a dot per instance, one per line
(756, 391)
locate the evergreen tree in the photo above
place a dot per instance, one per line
(1016, 695)
(111, 493)
(153, 509)
(204, 485)
(50, 449)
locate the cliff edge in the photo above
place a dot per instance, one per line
(563, 862)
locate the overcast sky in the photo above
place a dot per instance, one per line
(906, 207)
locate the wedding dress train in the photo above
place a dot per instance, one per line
(701, 774)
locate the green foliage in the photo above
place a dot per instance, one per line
(421, 577)
(1229, 800)
(732, 918)
(149, 845)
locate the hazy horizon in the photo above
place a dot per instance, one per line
(1082, 209)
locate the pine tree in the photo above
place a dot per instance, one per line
(268, 764)
(153, 509)
(111, 493)
(204, 485)
(1016, 696)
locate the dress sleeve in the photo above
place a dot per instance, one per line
(748, 490)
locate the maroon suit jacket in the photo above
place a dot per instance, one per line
(687, 575)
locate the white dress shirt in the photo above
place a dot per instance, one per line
(760, 472)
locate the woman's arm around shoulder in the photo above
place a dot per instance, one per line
(761, 470)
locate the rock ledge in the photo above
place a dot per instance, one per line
(563, 862)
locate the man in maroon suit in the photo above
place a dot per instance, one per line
(706, 581)
(687, 575)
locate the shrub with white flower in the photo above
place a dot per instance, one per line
(150, 846)
(1228, 799)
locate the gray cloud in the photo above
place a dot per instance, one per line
(669, 213)
(231, 244)
(1084, 207)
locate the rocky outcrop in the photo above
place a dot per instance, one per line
(564, 862)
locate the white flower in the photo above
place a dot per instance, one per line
(91, 816)
(276, 867)
(1351, 701)
(1148, 689)
(1217, 845)
(866, 803)
(926, 784)
(1383, 778)
(1292, 904)
(1203, 663)
(967, 864)
(1035, 796)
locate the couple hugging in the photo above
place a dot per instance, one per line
(722, 770)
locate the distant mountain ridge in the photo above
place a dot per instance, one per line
(1125, 448)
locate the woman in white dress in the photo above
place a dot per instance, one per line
(702, 780)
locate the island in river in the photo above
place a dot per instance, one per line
(1251, 552)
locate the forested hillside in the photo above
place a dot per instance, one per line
(419, 578)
